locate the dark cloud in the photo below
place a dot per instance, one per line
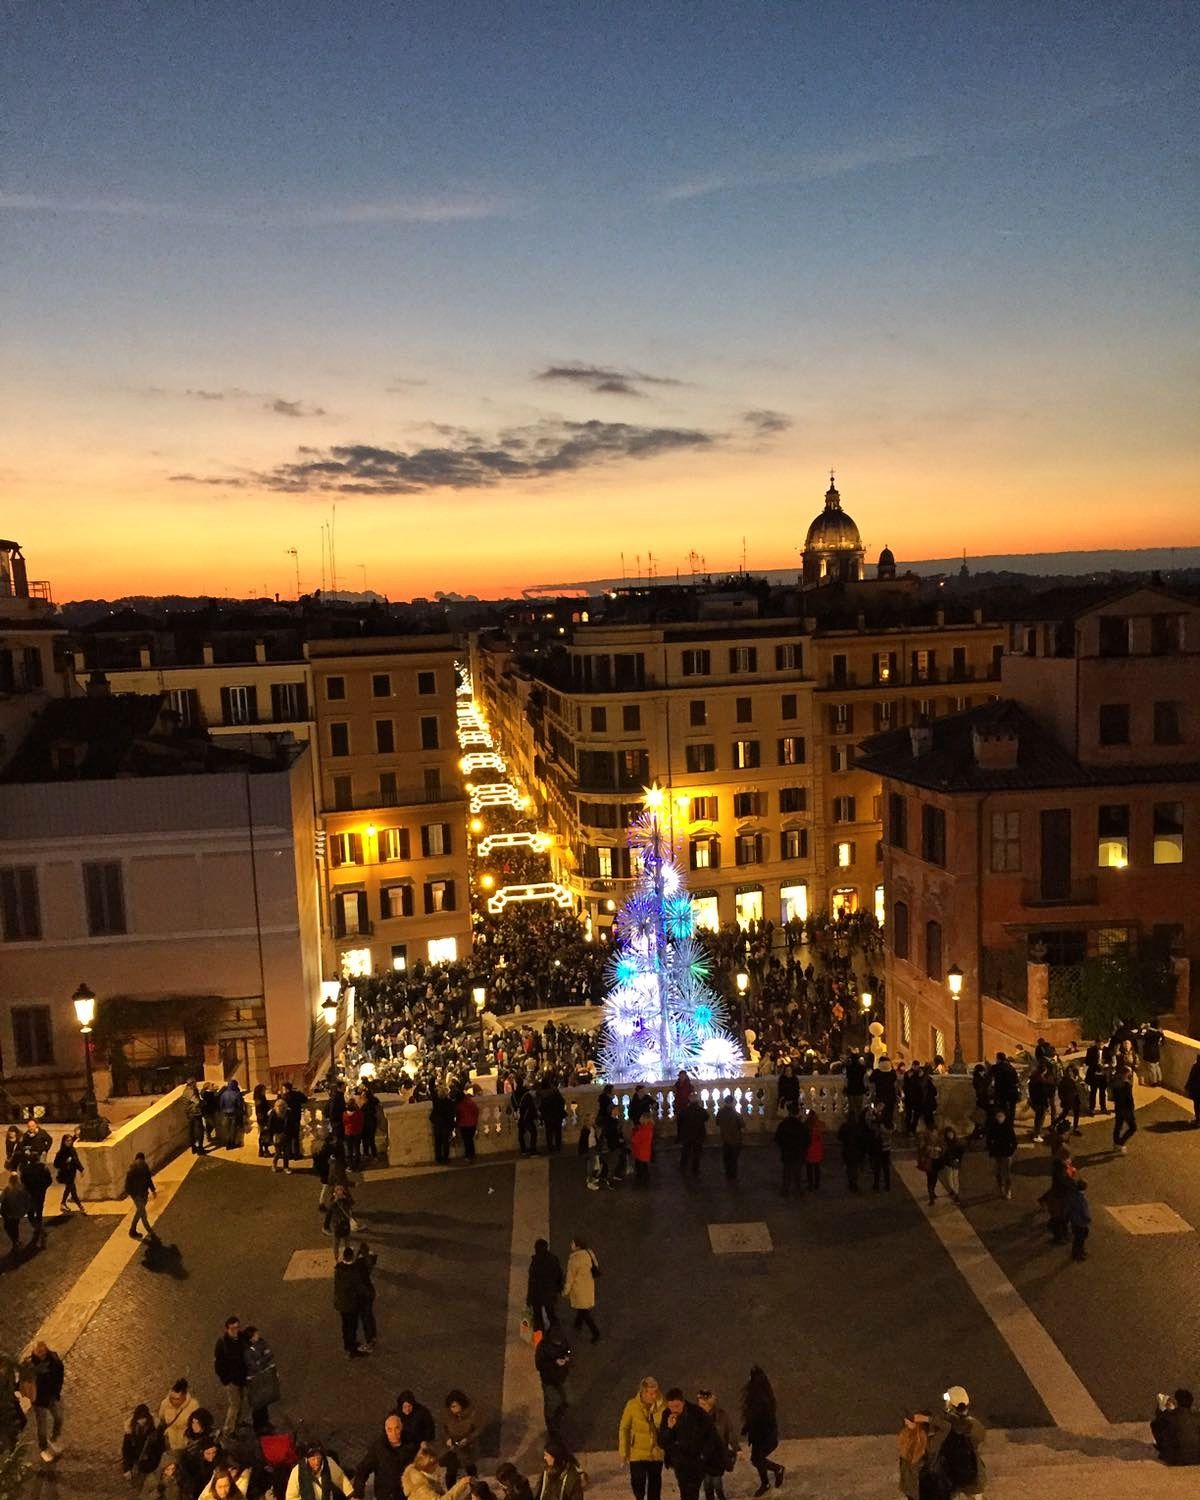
(283, 408)
(467, 461)
(766, 423)
(604, 382)
(280, 406)
(209, 395)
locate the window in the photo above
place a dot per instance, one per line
(884, 666)
(104, 894)
(844, 809)
(435, 839)
(1166, 724)
(385, 737)
(633, 768)
(841, 757)
(933, 835)
(787, 706)
(399, 957)
(186, 703)
(897, 820)
(33, 1036)
(442, 950)
(839, 674)
(841, 718)
(381, 685)
(343, 793)
(289, 701)
(335, 689)
(1168, 832)
(394, 843)
(900, 929)
(788, 657)
(239, 705)
(745, 710)
(599, 720)
(697, 713)
(793, 843)
(387, 789)
(395, 901)
(1112, 837)
(439, 896)
(700, 757)
(345, 849)
(793, 799)
(1166, 634)
(748, 804)
(793, 900)
(351, 915)
(1006, 842)
(885, 716)
(791, 750)
(696, 664)
(631, 718)
(429, 732)
(743, 659)
(844, 855)
(933, 949)
(905, 1024)
(748, 850)
(745, 755)
(426, 684)
(1114, 635)
(432, 778)
(20, 908)
(958, 663)
(339, 738)
(604, 863)
(938, 1042)
(1114, 723)
(703, 854)
(704, 809)
(923, 669)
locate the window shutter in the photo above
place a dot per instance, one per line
(364, 912)
(252, 703)
(405, 846)
(356, 849)
(335, 851)
(9, 908)
(448, 897)
(339, 917)
(850, 718)
(425, 842)
(406, 901)
(692, 856)
(714, 854)
(428, 888)
(445, 838)
(226, 706)
(385, 903)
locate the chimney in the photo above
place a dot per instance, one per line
(995, 749)
(939, 618)
(143, 656)
(206, 653)
(260, 651)
(80, 663)
(920, 736)
(977, 615)
(98, 686)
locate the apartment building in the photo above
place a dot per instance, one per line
(174, 875)
(392, 812)
(1048, 842)
(30, 636)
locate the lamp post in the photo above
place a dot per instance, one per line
(742, 981)
(330, 990)
(92, 1125)
(479, 995)
(954, 978)
(867, 1000)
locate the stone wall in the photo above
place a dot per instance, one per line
(160, 1131)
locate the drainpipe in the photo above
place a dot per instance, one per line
(979, 848)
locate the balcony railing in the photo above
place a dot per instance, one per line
(1080, 892)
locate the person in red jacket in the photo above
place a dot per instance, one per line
(466, 1122)
(641, 1144)
(352, 1129)
(815, 1154)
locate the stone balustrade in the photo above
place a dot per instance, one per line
(160, 1131)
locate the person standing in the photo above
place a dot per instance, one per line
(141, 1448)
(231, 1111)
(693, 1126)
(1001, 1142)
(352, 1130)
(466, 1122)
(553, 1109)
(441, 1120)
(729, 1127)
(814, 1154)
(346, 1302)
(279, 1136)
(580, 1285)
(760, 1426)
(688, 1441)
(33, 1144)
(294, 1100)
(561, 1478)
(193, 1108)
(954, 1445)
(385, 1461)
(1124, 1117)
(324, 1478)
(47, 1371)
(364, 1264)
(879, 1149)
(1079, 1218)
(460, 1431)
(1151, 1049)
(913, 1445)
(683, 1090)
(1095, 1075)
(791, 1141)
(552, 1361)
(637, 1440)
(36, 1179)
(544, 1285)
(67, 1168)
(641, 1148)
(950, 1160)
(727, 1439)
(139, 1187)
(262, 1379)
(851, 1137)
(229, 1365)
(174, 1414)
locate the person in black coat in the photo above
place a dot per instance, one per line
(229, 1366)
(760, 1427)
(441, 1118)
(36, 1180)
(386, 1459)
(1001, 1141)
(688, 1439)
(545, 1284)
(553, 1109)
(792, 1136)
(692, 1125)
(67, 1168)
(294, 1101)
(416, 1425)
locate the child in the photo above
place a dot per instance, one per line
(1079, 1217)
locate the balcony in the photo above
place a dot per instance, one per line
(1081, 892)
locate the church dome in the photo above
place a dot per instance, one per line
(833, 530)
(887, 558)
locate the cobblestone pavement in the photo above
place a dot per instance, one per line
(30, 1287)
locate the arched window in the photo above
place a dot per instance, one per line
(900, 929)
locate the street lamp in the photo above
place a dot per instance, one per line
(330, 990)
(954, 978)
(479, 995)
(742, 981)
(92, 1125)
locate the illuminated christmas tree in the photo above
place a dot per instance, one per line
(660, 1013)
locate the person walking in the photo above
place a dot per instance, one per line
(729, 1128)
(364, 1286)
(67, 1168)
(139, 1187)
(279, 1137)
(1001, 1142)
(229, 1366)
(340, 1221)
(552, 1361)
(693, 1126)
(950, 1160)
(791, 1141)
(814, 1154)
(729, 1445)
(47, 1372)
(346, 1302)
(580, 1285)
(544, 1285)
(688, 1440)
(36, 1180)
(760, 1426)
(637, 1439)
(1124, 1116)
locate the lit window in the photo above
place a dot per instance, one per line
(845, 855)
(356, 963)
(1112, 843)
(1168, 833)
(794, 902)
(442, 950)
(604, 863)
(880, 906)
(748, 907)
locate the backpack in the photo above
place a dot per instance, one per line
(957, 1460)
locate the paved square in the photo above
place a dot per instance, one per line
(310, 1265)
(1149, 1218)
(740, 1239)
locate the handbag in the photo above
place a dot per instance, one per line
(595, 1266)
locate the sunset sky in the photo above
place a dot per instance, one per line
(523, 287)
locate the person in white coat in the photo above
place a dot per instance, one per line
(579, 1285)
(421, 1480)
(317, 1477)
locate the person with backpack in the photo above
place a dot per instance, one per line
(954, 1465)
(553, 1364)
(580, 1286)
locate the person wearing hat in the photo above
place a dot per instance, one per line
(954, 1445)
(317, 1477)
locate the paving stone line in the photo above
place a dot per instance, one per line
(521, 1418)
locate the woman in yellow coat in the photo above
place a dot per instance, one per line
(637, 1440)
